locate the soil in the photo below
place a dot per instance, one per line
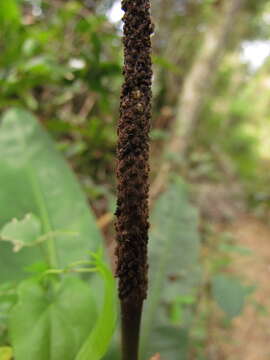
(249, 336)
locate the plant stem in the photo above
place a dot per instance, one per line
(69, 270)
(130, 318)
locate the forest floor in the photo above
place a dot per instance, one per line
(248, 338)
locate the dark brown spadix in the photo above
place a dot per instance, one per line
(132, 171)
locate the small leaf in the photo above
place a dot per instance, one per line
(171, 340)
(235, 249)
(37, 268)
(229, 293)
(99, 339)
(53, 323)
(6, 353)
(178, 307)
(23, 232)
(185, 300)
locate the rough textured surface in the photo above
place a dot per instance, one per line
(133, 152)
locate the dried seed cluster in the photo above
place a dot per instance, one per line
(133, 151)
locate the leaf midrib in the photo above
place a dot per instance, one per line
(45, 217)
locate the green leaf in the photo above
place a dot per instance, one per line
(37, 268)
(229, 293)
(173, 265)
(35, 179)
(23, 232)
(235, 249)
(9, 12)
(51, 324)
(8, 299)
(171, 341)
(98, 341)
(178, 307)
(6, 353)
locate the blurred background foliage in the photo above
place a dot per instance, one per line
(62, 60)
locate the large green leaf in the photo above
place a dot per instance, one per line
(174, 270)
(34, 178)
(51, 324)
